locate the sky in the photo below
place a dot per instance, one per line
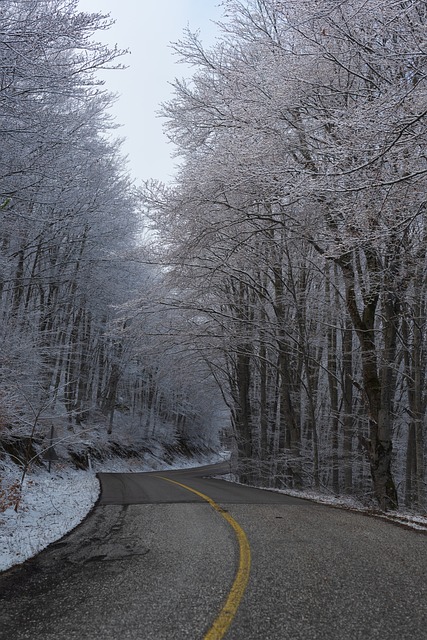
(146, 28)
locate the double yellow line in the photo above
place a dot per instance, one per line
(229, 610)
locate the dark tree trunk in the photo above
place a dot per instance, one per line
(243, 414)
(376, 390)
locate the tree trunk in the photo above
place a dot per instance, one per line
(347, 385)
(243, 414)
(379, 446)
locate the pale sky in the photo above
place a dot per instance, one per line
(147, 27)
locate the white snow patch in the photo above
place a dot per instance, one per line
(50, 506)
(153, 462)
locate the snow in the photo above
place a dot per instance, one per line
(51, 505)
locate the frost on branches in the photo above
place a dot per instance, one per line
(296, 234)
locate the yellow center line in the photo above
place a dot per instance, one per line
(229, 610)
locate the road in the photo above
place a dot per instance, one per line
(162, 552)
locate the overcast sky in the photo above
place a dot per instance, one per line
(147, 27)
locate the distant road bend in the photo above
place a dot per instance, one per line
(182, 555)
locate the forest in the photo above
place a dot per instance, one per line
(72, 252)
(275, 293)
(296, 235)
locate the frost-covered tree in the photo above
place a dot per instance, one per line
(70, 230)
(295, 220)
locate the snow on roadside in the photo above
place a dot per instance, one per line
(51, 505)
(407, 519)
(404, 518)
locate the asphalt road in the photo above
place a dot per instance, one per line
(155, 561)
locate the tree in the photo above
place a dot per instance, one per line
(304, 126)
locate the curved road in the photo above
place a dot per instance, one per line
(156, 561)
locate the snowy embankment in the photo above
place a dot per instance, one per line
(50, 506)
